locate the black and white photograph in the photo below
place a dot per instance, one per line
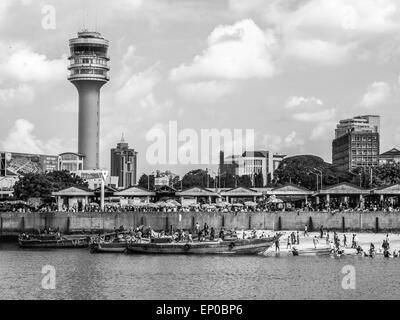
(216, 152)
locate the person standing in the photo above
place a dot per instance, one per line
(212, 234)
(277, 245)
(305, 231)
(289, 243)
(321, 231)
(344, 240)
(315, 241)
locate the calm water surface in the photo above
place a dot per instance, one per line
(81, 275)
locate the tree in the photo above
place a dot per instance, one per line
(42, 185)
(146, 182)
(382, 175)
(299, 170)
(64, 179)
(199, 178)
(33, 186)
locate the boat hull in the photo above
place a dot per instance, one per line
(313, 252)
(242, 247)
(53, 244)
(105, 247)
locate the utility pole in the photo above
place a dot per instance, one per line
(320, 172)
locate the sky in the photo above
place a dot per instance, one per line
(287, 69)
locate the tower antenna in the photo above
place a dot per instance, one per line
(97, 11)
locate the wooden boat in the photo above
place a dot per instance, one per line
(248, 246)
(53, 241)
(325, 251)
(113, 242)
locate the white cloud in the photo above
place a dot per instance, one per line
(324, 115)
(377, 95)
(296, 101)
(238, 51)
(23, 94)
(323, 131)
(326, 32)
(150, 103)
(21, 138)
(276, 143)
(318, 51)
(205, 91)
(138, 85)
(20, 63)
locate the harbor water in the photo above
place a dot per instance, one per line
(81, 275)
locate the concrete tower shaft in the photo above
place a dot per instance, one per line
(89, 72)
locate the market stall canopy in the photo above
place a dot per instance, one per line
(345, 189)
(135, 192)
(241, 192)
(74, 192)
(250, 204)
(291, 190)
(197, 192)
(393, 190)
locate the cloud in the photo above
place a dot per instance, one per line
(22, 94)
(309, 109)
(326, 32)
(238, 51)
(276, 143)
(205, 91)
(296, 101)
(138, 85)
(18, 62)
(323, 131)
(377, 95)
(315, 116)
(318, 51)
(21, 138)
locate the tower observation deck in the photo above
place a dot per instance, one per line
(89, 72)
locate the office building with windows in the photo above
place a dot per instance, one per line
(124, 164)
(356, 143)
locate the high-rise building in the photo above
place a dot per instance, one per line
(251, 163)
(89, 72)
(356, 143)
(124, 164)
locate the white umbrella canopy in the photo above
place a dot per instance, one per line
(174, 202)
(275, 200)
(239, 205)
(209, 206)
(223, 204)
(161, 204)
(152, 205)
(194, 205)
(170, 205)
(250, 204)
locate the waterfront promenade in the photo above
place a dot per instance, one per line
(11, 224)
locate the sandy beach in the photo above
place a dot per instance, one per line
(306, 242)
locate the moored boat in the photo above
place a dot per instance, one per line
(325, 251)
(115, 242)
(53, 240)
(239, 246)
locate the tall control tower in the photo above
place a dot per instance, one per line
(89, 72)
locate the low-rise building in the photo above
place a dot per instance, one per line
(390, 157)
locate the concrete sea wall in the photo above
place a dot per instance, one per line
(11, 224)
